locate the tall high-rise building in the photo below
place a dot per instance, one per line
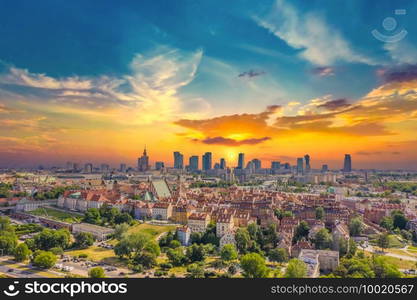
(307, 160)
(241, 161)
(123, 168)
(159, 165)
(287, 166)
(222, 163)
(347, 164)
(256, 163)
(275, 165)
(88, 168)
(324, 168)
(207, 161)
(193, 163)
(300, 165)
(143, 162)
(70, 166)
(104, 168)
(178, 160)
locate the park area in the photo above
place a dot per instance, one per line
(99, 254)
(58, 215)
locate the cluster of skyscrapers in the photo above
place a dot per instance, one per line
(302, 166)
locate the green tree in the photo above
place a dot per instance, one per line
(398, 219)
(123, 218)
(301, 231)
(49, 238)
(278, 255)
(383, 241)
(44, 259)
(5, 224)
(254, 266)
(92, 216)
(356, 226)
(296, 269)
(228, 252)
(354, 267)
(174, 244)
(319, 213)
(21, 252)
(96, 272)
(84, 240)
(8, 241)
(176, 256)
(242, 240)
(322, 239)
(195, 271)
(120, 230)
(387, 223)
(383, 269)
(196, 253)
(343, 247)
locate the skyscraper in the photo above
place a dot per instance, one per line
(159, 165)
(207, 161)
(347, 165)
(241, 161)
(324, 168)
(256, 163)
(143, 162)
(222, 163)
(275, 165)
(88, 168)
(300, 165)
(122, 168)
(178, 160)
(307, 159)
(193, 163)
(104, 168)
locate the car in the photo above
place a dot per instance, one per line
(122, 273)
(10, 270)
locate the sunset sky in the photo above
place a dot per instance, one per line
(96, 81)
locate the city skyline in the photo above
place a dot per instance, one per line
(274, 80)
(302, 165)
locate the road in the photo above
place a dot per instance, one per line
(17, 273)
(404, 257)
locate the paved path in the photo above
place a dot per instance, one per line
(404, 257)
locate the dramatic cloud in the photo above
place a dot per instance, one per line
(382, 112)
(399, 74)
(317, 41)
(231, 142)
(148, 94)
(334, 104)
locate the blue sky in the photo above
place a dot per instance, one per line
(191, 59)
(63, 38)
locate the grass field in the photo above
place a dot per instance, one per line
(99, 254)
(153, 230)
(56, 215)
(394, 242)
(401, 263)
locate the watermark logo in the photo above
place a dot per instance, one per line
(11, 290)
(392, 33)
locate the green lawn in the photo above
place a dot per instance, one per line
(94, 253)
(153, 230)
(57, 215)
(394, 241)
(401, 263)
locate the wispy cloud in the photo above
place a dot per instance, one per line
(318, 42)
